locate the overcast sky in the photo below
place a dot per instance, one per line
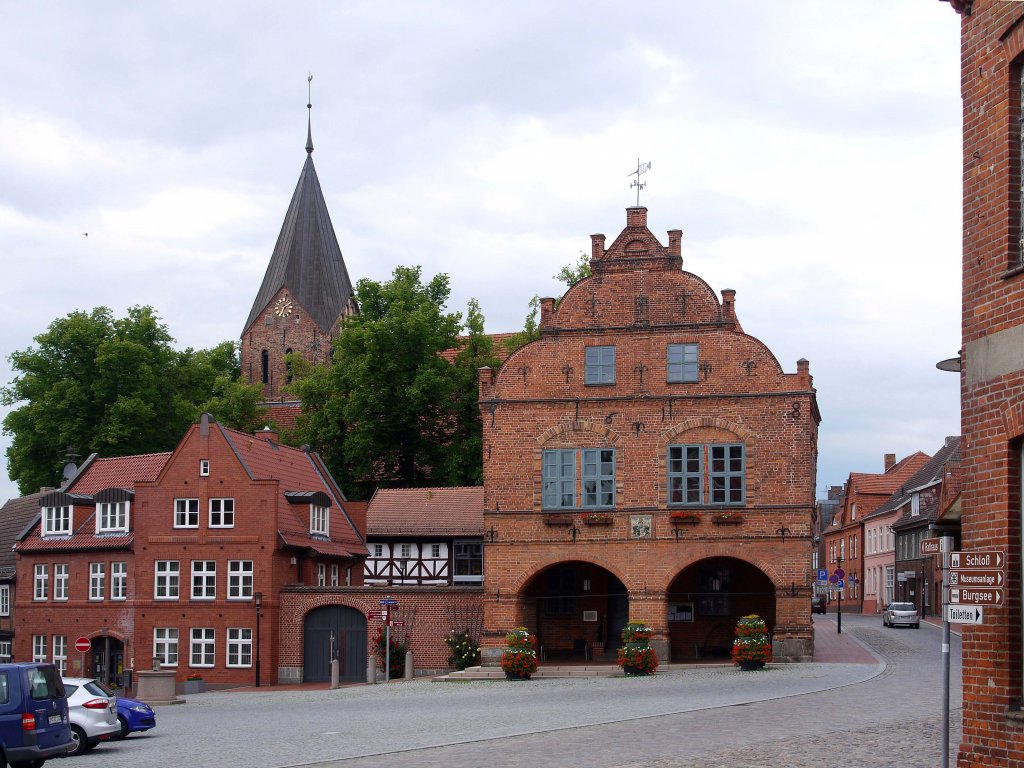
(810, 152)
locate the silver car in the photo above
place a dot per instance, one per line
(901, 613)
(92, 709)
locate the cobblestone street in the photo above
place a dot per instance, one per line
(879, 713)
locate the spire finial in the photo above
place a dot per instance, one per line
(309, 121)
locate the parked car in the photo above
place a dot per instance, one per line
(134, 716)
(33, 714)
(818, 604)
(901, 613)
(92, 708)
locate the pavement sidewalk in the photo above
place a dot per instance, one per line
(831, 647)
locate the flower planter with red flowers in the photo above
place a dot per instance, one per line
(558, 520)
(752, 648)
(683, 518)
(636, 657)
(519, 659)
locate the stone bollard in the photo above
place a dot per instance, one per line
(335, 674)
(408, 665)
(371, 670)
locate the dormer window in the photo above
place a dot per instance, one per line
(319, 520)
(57, 521)
(204, 467)
(915, 505)
(112, 517)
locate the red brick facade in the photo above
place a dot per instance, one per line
(992, 378)
(573, 561)
(224, 518)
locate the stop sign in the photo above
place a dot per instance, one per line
(82, 644)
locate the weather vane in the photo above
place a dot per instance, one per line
(309, 91)
(641, 169)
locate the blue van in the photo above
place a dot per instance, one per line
(33, 715)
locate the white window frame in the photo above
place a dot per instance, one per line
(222, 513)
(119, 580)
(204, 467)
(40, 582)
(165, 645)
(321, 574)
(435, 551)
(38, 647)
(5, 599)
(186, 513)
(61, 574)
(239, 651)
(319, 520)
(6, 651)
(915, 504)
(202, 649)
(60, 654)
(112, 517)
(335, 574)
(204, 580)
(240, 579)
(166, 579)
(57, 520)
(97, 580)
(378, 550)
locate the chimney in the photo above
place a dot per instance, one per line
(675, 242)
(728, 305)
(267, 434)
(636, 217)
(890, 461)
(547, 309)
(596, 246)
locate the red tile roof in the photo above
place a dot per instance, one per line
(426, 512)
(283, 414)
(296, 470)
(118, 472)
(84, 538)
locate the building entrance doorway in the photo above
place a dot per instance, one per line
(105, 661)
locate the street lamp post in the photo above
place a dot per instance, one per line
(839, 610)
(258, 599)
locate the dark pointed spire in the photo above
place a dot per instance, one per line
(309, 119)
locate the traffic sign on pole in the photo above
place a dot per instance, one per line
(976, 561)
(83, 644)
(388, 601)
(965, 614)
(977, 596)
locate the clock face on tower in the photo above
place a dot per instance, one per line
(283, 307)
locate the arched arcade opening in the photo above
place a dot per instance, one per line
(577, 610)
(705, 600)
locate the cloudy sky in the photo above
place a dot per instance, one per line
(808, 150)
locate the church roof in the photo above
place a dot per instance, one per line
(307, 259)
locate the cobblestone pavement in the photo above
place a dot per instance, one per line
(787, 715)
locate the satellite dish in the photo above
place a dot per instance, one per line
(70, 470)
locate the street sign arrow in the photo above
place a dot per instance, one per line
(991, 596)
(931, 546)
(976, 561)
(965, 614)
(976, 578)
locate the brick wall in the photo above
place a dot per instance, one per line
(993, 372)
(429, 613)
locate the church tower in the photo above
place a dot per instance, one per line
(305, 292)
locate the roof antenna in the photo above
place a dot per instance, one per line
(309, 106)
(641, 169)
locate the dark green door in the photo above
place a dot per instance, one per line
(339, 630)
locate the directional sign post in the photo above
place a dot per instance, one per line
(931, 546)
(976, 579)
(387, 603)
(965, 614)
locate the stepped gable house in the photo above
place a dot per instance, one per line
(182, 558)
(305, 293)
(647, 459)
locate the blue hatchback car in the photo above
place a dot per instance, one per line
(134, 716)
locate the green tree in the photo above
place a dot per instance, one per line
(571, 274)
(114, 386)
(530, 331)
(386, 411)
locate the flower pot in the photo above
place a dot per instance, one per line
(728, 520)
(750, 666)
(516, 676)
(557, 520)
(630, 670)
(195, 686)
